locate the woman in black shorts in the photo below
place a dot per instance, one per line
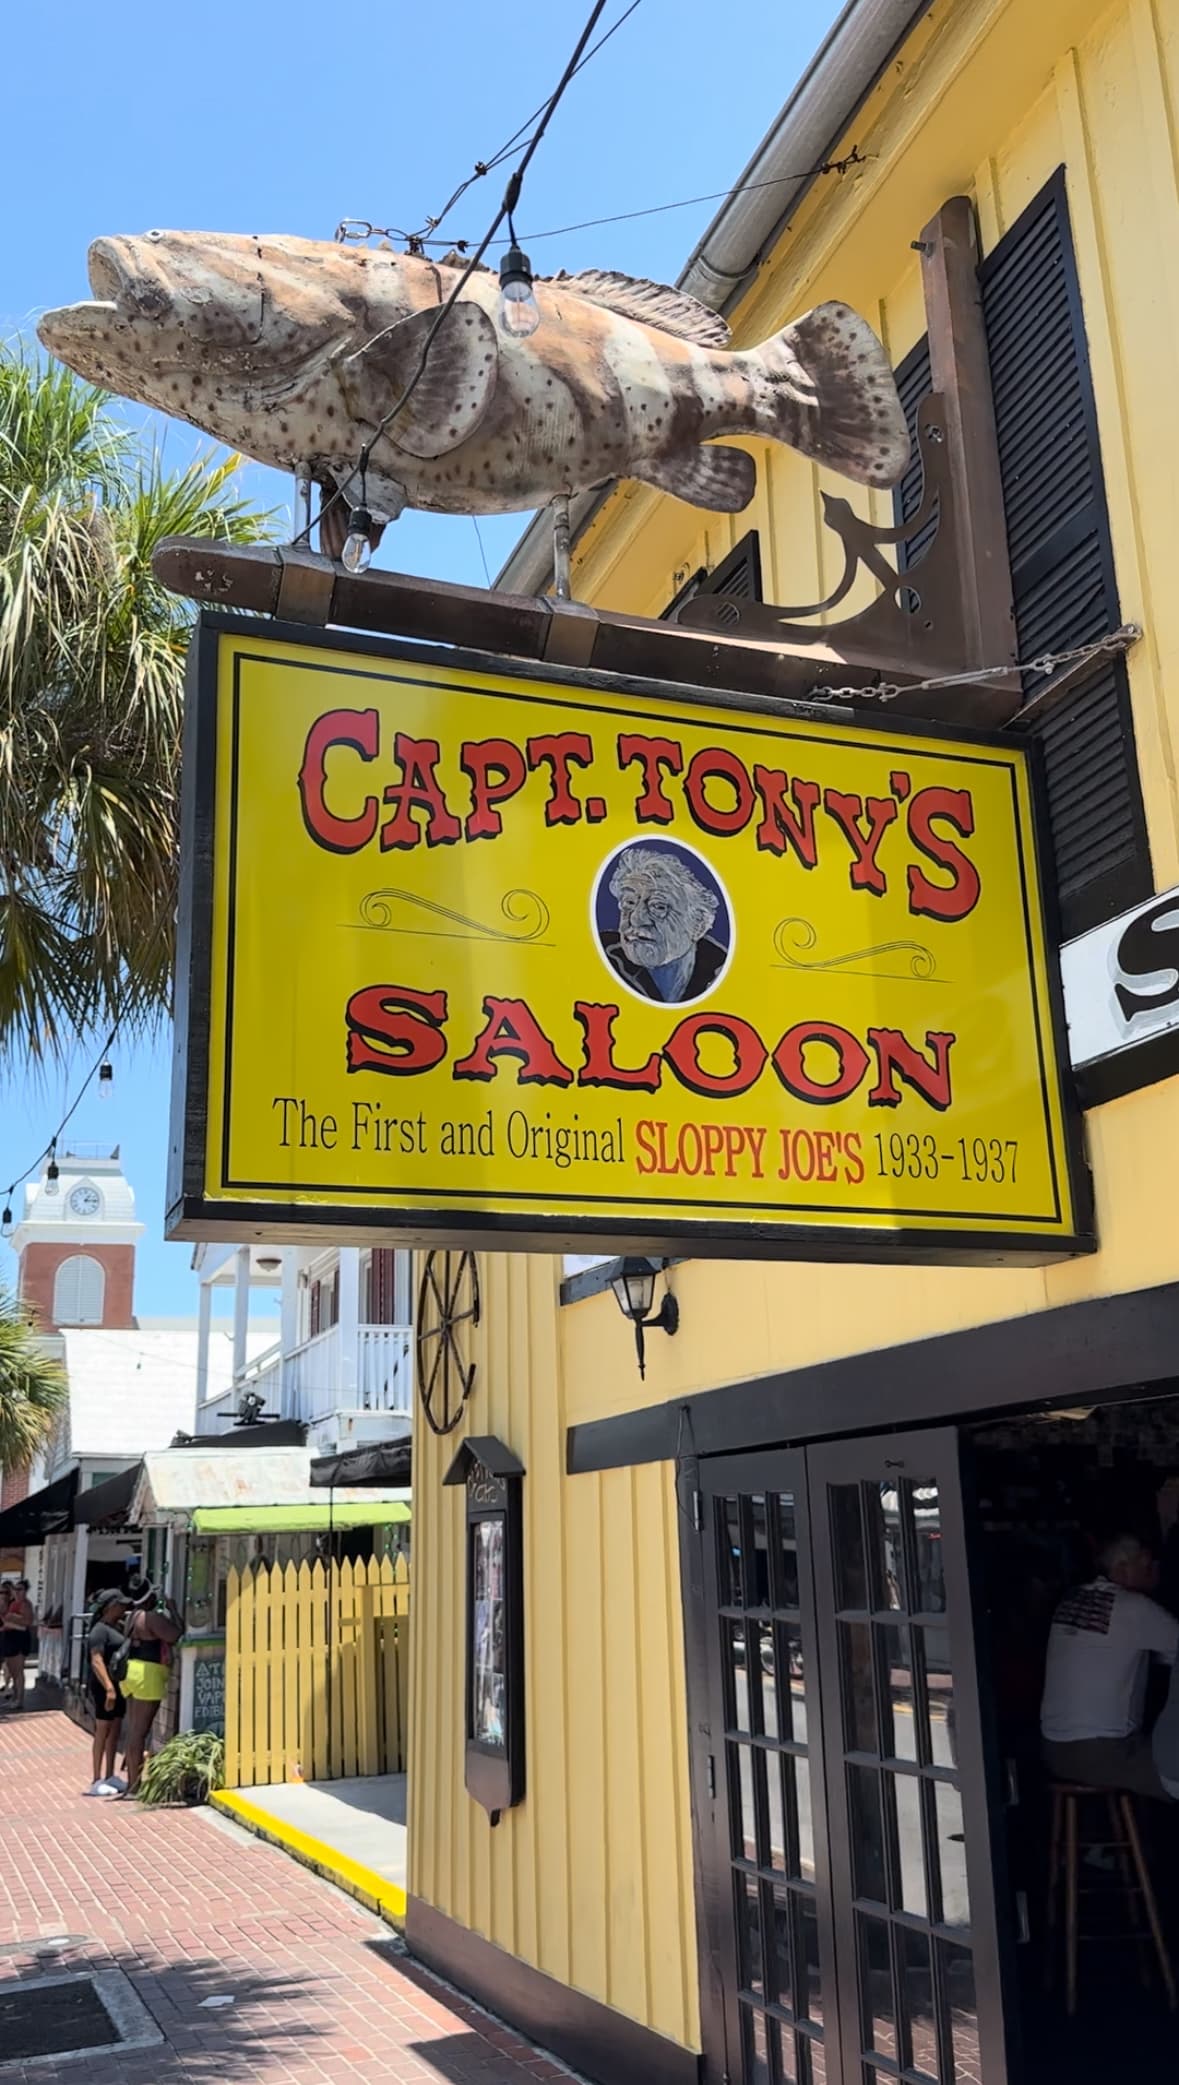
(16, 1640)
(106, 1697)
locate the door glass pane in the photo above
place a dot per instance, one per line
(785, 1551)
(847, 1543)
(780, 1965)
(759, 1654)
(917, 1999)
(757, 1561)
(925, 1506)
(784, 2052)
(741, 1806)
(779, 1811)
(939, 1691)
(749, 1934)
(807, 1980)
(958, 1972)
(791, 1711)
(907, 1791)
(859, 1692)
(867, 1833)
(878, 2010)
(756, 2041)
(806, 1835)
(951, 1846)
(816, 2057)
(886, 1562)
(731, 1576)
(733, 1653)
(894, 1648)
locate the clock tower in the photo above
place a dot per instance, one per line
(76, 1241)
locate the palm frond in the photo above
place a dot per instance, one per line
(32, 1387)
(91, 682)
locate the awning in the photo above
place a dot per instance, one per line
(47, 1512)
(291, 1520)
(385, 1462)
(107, 1501)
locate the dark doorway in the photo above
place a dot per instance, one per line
(1051, 1489)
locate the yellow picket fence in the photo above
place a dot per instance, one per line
(316, 1671)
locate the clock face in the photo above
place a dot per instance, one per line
(85, 1200)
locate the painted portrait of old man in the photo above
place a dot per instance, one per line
(662, 922)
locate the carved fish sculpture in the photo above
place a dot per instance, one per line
(293, 350)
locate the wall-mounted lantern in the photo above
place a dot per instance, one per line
(495, 1622)
(634, 1288)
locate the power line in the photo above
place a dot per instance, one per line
(49, 1150)
(482, 552)
(854, 158)
(506, 208)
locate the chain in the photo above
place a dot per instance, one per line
(1119, 640)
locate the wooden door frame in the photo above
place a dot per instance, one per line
(938, 1453)
(716, 1936)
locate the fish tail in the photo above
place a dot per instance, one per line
(824, 385)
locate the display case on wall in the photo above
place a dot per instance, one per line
(494, 1695)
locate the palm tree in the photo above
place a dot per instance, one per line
(91, 674)
(32, 1387)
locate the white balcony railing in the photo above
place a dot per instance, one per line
(324, 1376)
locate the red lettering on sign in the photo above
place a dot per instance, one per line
(653, 806)
(682, 1051)
(714, 763)
(866, 873)
(392, 1028)
(497, 771)
(786, 825)
(898, 1058)
(360, 730)
(789, 1061)
(559, 751)
(600, 1066)
(940, 900)
(511, 1029)
(418, 790)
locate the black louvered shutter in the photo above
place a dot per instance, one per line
(738, 575)
(1061, 556)
(914, 382)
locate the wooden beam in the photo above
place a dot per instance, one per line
(961, 372)
(300, 587)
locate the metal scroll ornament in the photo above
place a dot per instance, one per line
(448, 1310)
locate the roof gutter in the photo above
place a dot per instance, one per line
(834, 86)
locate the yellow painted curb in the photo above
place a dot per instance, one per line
(369, 1888)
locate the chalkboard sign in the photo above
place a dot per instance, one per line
(208, 1691)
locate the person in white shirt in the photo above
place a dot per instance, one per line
(1102, 1639)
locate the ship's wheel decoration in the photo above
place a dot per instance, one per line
(448, 1310)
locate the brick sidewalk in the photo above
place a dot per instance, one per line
(191, 1908)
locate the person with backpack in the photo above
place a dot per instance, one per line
(106, 1645)
(154, 1628)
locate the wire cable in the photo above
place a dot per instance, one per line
(508, 205)
(49, 1150)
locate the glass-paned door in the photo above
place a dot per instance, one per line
(764, 1902)
(907, 1811)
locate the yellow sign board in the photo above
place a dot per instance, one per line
(475, 951)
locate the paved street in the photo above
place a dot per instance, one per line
(192, 1910)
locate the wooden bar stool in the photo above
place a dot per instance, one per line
(1132, 1883)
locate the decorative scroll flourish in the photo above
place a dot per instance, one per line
(921, 962)
(527, 914)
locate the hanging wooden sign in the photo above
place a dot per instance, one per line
(474, 951)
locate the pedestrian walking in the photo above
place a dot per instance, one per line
(104, 1643)
(153, 1628)
(16, 1639)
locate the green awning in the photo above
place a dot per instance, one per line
(291, 1520)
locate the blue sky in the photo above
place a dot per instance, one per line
(263, 117)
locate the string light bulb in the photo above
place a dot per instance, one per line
(519, 312)
(358, 549)
(6, 1219)
(52, 1169)
(106, 1080)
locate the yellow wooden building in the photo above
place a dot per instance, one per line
(782, 1816)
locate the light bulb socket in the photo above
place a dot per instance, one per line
(515, 268)
(106, 1073)
(52, 1170)
(6, 1221)
(360, 522)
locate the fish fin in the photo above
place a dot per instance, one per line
(651, 303)
(453, 392)
(724, 479)
(835, 396)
